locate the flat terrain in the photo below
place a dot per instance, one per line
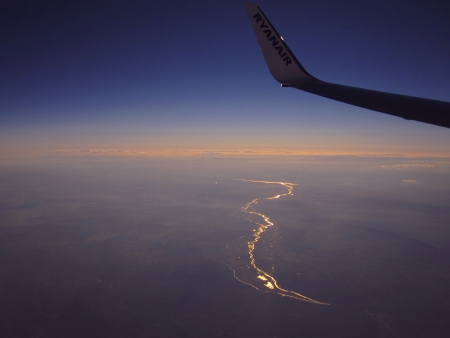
(135, 247)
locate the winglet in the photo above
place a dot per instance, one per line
(282, 63)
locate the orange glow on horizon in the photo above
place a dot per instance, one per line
(241, 153)
(11, 153)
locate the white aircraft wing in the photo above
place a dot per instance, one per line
(285, 68)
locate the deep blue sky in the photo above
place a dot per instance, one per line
(124, 74)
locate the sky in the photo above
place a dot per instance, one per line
(143, 76)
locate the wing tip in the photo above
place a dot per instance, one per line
(282, 63)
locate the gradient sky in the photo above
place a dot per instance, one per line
(190, 75)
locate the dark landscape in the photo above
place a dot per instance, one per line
(134, 247)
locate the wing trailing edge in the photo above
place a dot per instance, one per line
(286, 69)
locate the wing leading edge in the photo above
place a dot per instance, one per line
(287, 70)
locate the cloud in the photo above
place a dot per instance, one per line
(423, 164)
(256, 152)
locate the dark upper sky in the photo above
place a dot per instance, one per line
(122, 70)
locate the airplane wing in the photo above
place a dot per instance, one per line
(285, 68)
